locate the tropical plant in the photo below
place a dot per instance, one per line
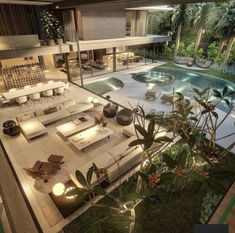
(200, 23)
(226, 28)
(168, 52)
(212, 51)
(198, 164)
(215, 14)
(179, 20)
(159, 23)
(231, 59)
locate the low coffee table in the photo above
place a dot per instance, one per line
(89, 137)
(82, 122)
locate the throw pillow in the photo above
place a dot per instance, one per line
(50, 110)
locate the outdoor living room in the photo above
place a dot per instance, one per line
(46, 143)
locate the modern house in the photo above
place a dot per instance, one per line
(49, 119)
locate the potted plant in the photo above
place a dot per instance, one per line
(51, 27)
(47, 20)
(100, 120)
(59, 34)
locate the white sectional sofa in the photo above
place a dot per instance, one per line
(31, 127)
(116, 161)
(33, 123)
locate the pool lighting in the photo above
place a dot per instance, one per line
(150, 85)
(192, 74)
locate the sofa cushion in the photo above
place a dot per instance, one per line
(129, 130)
(79, 107)
(69, 103)
(32, 128)
(39, 112)
(25, 116)
(122, 149)
(124, 164)
(52, 117)
(50, 110)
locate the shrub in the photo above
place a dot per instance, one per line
(212, 51)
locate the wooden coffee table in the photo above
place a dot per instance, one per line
(82, 122)
(89, 137)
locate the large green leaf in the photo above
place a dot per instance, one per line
(182, 158)
(81, 178)
(179, 182)
(89, 175)
(137, 142)
(171, 163)
(151, 127)
(141, 130)
(215, 114)
(163, 139)
(204, 91)
(225, 90)
(193, 175)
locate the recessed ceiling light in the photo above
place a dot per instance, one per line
(153, 8)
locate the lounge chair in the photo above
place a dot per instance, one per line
(183, 60)
(99, 65)
(203, 63)
(124, 117)
(110, 110)
(45, 170)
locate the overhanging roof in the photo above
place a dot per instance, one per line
(121, 4)
(117, 42)
(34, 51)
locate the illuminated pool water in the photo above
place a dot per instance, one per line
(154, 77)
(185, 80)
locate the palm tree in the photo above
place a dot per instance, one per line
(179, 20)
(200, 23)
(215, 14)
(226, 28)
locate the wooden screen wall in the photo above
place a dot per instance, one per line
(18, 19)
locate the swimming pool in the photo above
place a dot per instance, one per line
(105, 85)
(186, 80)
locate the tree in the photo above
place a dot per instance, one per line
(201, 164)
(226, 28)
(159, 23)
(179, 20)
(200, 23)
(215, 14)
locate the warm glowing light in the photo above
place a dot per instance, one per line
(150, 86)
(58, 189)
(95, 101)
(68, 190)
(90, 99)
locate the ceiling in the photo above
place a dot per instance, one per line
(110, 4)
(114, 4)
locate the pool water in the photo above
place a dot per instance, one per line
(186, 80)
(106, 85)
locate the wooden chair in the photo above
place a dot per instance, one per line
(43, 170)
